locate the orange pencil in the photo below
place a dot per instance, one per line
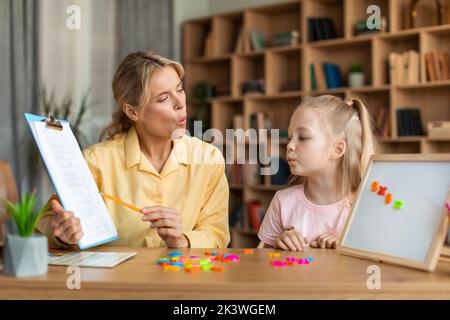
(126, 204)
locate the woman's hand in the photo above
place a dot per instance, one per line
(65, 226)
(168, 224)
(328, 240)
(291, 240)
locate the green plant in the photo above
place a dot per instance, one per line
(61, 110)
(64, 111)
(24, 214)
(356, 67)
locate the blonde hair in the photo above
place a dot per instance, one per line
(131, 86)
(349, 120)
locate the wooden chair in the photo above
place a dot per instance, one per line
(8, 191)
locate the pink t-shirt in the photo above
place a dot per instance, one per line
(290, 207)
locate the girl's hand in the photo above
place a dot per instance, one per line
(328, 240)
(291, 240)
(168, 224)
(65, 226)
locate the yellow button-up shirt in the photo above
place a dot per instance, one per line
(192, 181)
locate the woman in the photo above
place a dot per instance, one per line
(177, 180)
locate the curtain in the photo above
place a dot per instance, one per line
(144, 25)
(19, 82)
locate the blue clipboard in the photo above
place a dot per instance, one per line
(56, 124)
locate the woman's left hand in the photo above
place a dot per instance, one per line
(168, 224)
(328, 240)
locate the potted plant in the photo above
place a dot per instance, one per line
(25, 254)
(356, 76)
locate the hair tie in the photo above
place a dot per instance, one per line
(349, 102)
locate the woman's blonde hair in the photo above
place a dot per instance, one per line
(131, 86)
(349, 120)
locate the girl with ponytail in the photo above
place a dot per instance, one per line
(331, 141)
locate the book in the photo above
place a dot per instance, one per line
(260, 120)
(320, 76)
(393, 67)
(333, 75)
(208, 49)
(432, 71)
(281, 177)
(328, 27)
(313, 76)
(382, 125)
(237, 216)
(286, 38)
(321, 29)
(444, 64)
(404, 67)
(312, 29)
(239, 47)
(258, 40)
(409, 122)
(413, 71)
(255, 211)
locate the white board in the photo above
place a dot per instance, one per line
(408, 235)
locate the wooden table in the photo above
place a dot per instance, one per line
(329, 276)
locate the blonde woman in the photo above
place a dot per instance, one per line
(146, 159)
(331, 141)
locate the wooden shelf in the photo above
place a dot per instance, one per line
(290, 64)
(245, 231)
(424, 85)
(270, 188)
(412, 139)
(210, 59)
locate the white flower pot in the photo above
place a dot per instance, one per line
(25, 256)
(356, 80)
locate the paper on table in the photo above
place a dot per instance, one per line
(74, 183)
(90, 259)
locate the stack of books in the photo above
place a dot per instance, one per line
(256, 213)
(437, 65)
(409, 122)
(404, 67)
(326, 75)
(286, 38)
(237, 216)
(260, 120)
(321, 29)
(382, 126)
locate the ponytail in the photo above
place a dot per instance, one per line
(369, 144)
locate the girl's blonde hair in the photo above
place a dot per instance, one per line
(349, 120)
(131, 86)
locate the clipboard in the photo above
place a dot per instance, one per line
(72, 179)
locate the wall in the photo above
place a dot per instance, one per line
(74, 62)
(185, 10)
(218, 6)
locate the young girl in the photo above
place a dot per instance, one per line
(331, 141)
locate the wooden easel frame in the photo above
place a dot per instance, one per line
(437, 244)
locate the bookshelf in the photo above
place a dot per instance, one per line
(209, 55)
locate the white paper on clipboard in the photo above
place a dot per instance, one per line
(74, 183)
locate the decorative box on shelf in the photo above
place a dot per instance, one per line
(439, 129)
